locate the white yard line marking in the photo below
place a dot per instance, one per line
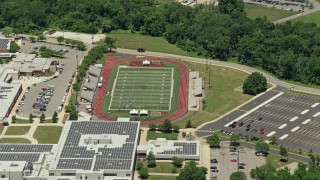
(316, 114)
(306, 121)
(294, 118)
(314, 105)
(271, 133)
(305, 111)
(295, 129)
(282, 126)
(283, 137)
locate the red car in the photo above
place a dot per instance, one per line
(45, 89)
(233, 160)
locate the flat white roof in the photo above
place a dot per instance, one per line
(7, 94)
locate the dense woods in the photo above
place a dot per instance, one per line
(290, 51)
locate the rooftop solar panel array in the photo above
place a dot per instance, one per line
(107, 157)
(84, 164)
(183, 148)
(121, 128)
(19, 157)
(112, 164)
(76, 152)
(24, 148)
(4, 44)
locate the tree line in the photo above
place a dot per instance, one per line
(288, 50)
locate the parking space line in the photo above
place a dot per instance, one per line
(306, 121)
(282, 126)
(316, 114)
(271, 133)
(283, 137)
(315, 105)
(254, 109)
(295, 129)
(305, 111)
(294, 118)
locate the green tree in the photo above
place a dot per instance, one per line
(266, 171)
(177, 162)
(73, 115)
(7, 31)
(283, 152)
(110, 43)
(139, 165)
(273, 140)
(262, 147)
(166, 126)
(235, 140)
(152, 127)
(238, 176)
(76, 86)
(176, 128)
(188, 124)
(151, 160)
(32, 39)
(255, 84)
(14, 47)
(144, 173)
(41, 38)
(42, 118)
(184, 134)
(31, 118)
(60, 39)
(192, 172)
(55, 117)
(213, 140)
(14, 118)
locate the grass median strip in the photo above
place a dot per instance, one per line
(15, 140)
(162, 167)
(17, 130)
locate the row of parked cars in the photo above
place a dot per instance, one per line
(44, 98)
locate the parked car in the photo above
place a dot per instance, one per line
(214, 161)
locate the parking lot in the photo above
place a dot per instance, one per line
(292, 118)
(228, 161)
(60, 83)
(279, 4)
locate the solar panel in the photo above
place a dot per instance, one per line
(19, 157)
(84, 164)
(183, 148)
(107, 157)
(24, 148)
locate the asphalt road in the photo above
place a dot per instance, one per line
(227, 64)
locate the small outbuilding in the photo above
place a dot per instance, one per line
(146, 63)
(143, 112)
(134, 112)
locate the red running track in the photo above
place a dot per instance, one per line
(110, 63)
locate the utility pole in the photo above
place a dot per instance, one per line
(209, 73)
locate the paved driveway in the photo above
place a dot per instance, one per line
(60, 83)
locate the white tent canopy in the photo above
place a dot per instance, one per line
(143, 112)
(145, 62)
(133, 112)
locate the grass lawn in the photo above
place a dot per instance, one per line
(310, 18)
(22, 121)
(47, 134)
(275, 160)
(162, 167)
(15, 140)
(153, 135)
(271, 13)
(17, 130)
(153, 177)
(50, 73)
(196, 118)
(128, 40)
(221, 97)
(1, 129)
